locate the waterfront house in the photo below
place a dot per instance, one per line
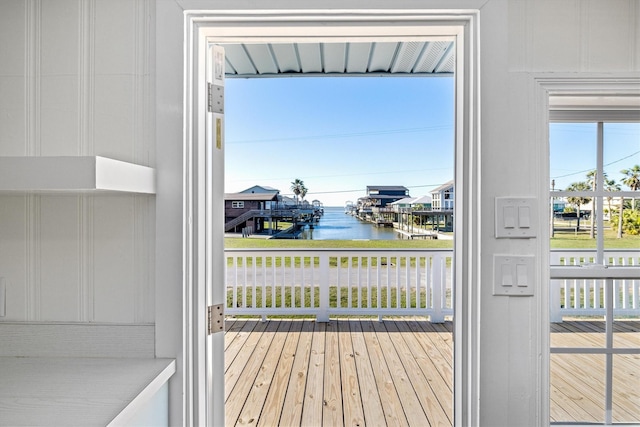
(380, 196)
(246, 210)
(443, 197)
(109, 284)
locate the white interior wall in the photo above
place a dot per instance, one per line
(105, 77)
(75, 80)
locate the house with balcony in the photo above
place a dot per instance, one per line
(248, 211)
(114, 281)
(376, 206)
(443, 197)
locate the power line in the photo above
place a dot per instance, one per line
(589, 170)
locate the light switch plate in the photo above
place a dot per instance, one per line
(514, 275)
(516, 217)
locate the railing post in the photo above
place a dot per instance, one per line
(555, 312)
(323, 313)
(438, 282)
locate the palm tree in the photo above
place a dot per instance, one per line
(298, 189)
(632, 181)
(578, 201)
(592, 181)
(612, 185)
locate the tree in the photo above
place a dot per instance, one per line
(298, 189)
(632, 180)
(592, 181)
(578, 201)
(611, 185)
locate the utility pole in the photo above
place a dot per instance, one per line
(553, 214)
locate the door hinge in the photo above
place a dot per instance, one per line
(215, 98)
(215, 319)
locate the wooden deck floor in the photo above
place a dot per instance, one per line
(395, 373)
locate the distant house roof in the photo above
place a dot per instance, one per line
(387, 188)
(422, 200)
(260, 197)
(405, 201)
(444, 186)
(260, 189)
(287, 200)
(413, 201)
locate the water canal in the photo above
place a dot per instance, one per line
(336, 225)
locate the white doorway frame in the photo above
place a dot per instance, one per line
(205, 27)
(593, 89)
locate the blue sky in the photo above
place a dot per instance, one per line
(339, 134)
(573, 151)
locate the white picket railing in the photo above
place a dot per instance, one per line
(324, 282)
(586, 297)
(382, 282)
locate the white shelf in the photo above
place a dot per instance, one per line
(78, 391)
(74, 174)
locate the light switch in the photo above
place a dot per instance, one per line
(521, 275)
(516, 217)
(507, 275)
(514, 275)
(524, 217)
(509, 217)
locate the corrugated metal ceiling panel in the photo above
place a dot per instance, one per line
(407, 57)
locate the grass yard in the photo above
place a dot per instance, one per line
(562, 240)
(310, 297)
(581, 240)
(257, 243)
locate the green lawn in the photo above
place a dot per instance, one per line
(562, 240)
(571, 240)
(257, 243)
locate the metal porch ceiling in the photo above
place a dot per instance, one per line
(297, 59)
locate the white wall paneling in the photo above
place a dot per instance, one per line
(75, 80)
(62, 339)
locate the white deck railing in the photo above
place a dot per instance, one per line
(328, 282)
(586, 297)
(379, 282)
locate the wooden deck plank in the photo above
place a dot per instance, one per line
(434, 396)
(431, 345)
(275, 399)
(357, 372)
(405, 386)
(292, 408)
(392, 407)
(332, 412)
(353, 412)
(243, 357)
(371, 403)
(258, 394)
(247, 378)
(238, 342)
(313, 396)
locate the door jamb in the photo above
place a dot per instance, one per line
(461, 24)
(545, 87)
